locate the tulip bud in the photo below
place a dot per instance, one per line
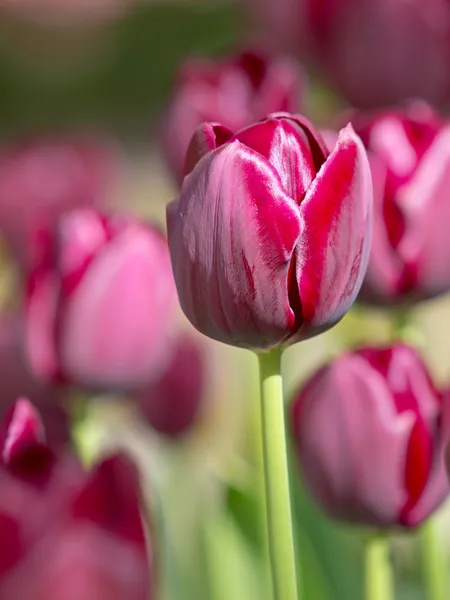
(100, 300)
(409, 153)
(172, 403)
(375, 52)
(235, 92)
(42, 179)
(269, 238)
(66, 534)
(370, 438)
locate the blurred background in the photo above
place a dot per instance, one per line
(108, 69)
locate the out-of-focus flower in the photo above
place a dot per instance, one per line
(370, 437)
(66, 534)
(172, 403)
(42, 178)
(376, 52)
(17, 380)
(269, 238)
(409, 152)
(234, 92)
(100, 302)
(66, 12)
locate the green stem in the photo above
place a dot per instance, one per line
(378, 572)
(433, 561)
(279, 519)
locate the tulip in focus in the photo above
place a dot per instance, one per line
(234, 92)
(409, 153)
(100, 302)
(269, 238)
(375, 52)
(67, 534)
(171, 404)
(41, 179)
(370, 436)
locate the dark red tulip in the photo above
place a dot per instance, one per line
(235, 91)
(370, 435)
(269, 238)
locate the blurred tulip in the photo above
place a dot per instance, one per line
(409, 153)
(68, 535)
(45, 177)
(235, 92)
(17, 380)
(269, 238)
(172, 403)
(370, 437)
(100, 302)
(375, 52)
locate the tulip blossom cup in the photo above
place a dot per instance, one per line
(269, 241)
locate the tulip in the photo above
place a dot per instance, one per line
(171, 404)
(43, 178)
(235, 91)
(67, 534)
(370, 437)
(100, 300)
(410, 158)
(269, 238)
(375, 52)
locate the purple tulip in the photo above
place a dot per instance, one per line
(100, 302)
(409, 152)
(269, 238)
(171, 404)
(43, 178)
(375, 52)
(67, 534)
(235, 92)
(370, 436)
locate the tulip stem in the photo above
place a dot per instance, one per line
(433, 561)
(378, 571)
(278, 502)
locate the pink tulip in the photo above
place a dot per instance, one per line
(17, 380)
(171, 404)
(269, 238)
(370, 437)
(42, 178)
(66, 534)
(235, 92)
(375, 52)
(100, 300)
(409, 153)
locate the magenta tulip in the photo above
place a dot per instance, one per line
(42, 178)
(100, 303)
(171, 404)
(67, 534)
(409, 153)
(235, 92)
(269, 238)
(370, 437)
(375, 52)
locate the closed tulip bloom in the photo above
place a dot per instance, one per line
(67, 534)
(100, 302)
(42, 178)
(235, 92)
(410, 158)
(269, 238)
(370, 436)
(171, 404)
(375, 52)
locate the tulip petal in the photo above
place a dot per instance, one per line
(333, 250)
(207, 136)
(23, 428)
(232, 234)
